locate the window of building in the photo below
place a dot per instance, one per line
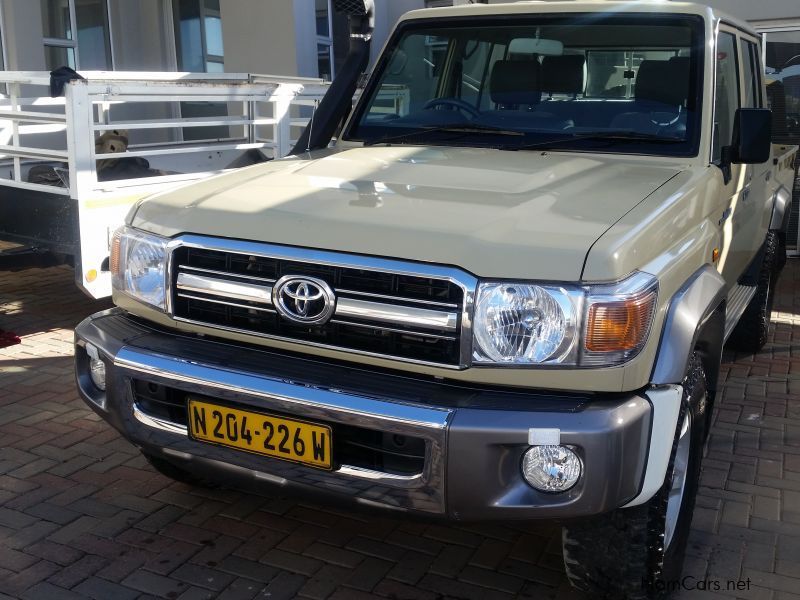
(200, 49)
(198, 34)
(76, 34)
(325, 62)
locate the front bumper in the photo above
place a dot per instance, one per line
(473, 437)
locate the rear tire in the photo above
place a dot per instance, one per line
(752, 330)
(637, 553)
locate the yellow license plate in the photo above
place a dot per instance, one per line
(287, 439)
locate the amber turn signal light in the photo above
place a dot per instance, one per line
(113, 262)
(620, 326)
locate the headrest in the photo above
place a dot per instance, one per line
(515, 82)
(563, 74)
(665, 81)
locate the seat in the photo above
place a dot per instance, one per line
(515, 88)
(662, 90)
(563, 74)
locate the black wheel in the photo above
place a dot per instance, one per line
(168, 469)
(637, 553)
(750, 334)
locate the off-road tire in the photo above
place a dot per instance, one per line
(172, 471)
(750, 334)
(620, 555)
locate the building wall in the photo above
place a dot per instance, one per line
(23, 32)
(259, 36)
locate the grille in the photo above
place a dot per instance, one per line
(406, 317)
(354, 446)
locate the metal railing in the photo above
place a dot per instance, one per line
(258, 112)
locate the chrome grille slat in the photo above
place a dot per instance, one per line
(385, 308)
(225, 288)
(396, 298)
(396, 315)
(224, 274)
(403, 331)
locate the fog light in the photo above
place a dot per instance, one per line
(97, 368)
(551, 468)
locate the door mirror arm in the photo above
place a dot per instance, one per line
(726, 162)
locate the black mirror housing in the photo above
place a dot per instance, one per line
(752, 136)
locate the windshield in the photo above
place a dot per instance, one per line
(599, 82)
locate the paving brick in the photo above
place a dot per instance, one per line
(51, 592)
(291, 562)
(205, 577)
(78, 571)
(151, 583)
(284, 587)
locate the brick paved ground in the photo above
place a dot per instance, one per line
(82, 516)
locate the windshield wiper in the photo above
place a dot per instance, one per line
(462, 129)
(611, 136)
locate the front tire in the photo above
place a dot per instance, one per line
(637, 553)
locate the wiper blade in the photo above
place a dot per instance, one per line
(463, 128)
(611, 136)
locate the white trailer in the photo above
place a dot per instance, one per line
(73, 214)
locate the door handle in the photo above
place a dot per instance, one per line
(745, 194)
(768, 176)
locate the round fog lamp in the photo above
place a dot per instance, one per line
(97, 371)
(551, 468)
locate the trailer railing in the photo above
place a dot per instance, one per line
(256, 112)
(66, 181)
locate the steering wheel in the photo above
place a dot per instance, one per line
(453, 103)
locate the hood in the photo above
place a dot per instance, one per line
(527, 215)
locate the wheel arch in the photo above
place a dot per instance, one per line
(695, 321)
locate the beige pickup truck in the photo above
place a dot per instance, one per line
(501, 293)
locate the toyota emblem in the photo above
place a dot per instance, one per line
(304, 300)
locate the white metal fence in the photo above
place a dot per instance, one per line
(58, 136)
(262, 112)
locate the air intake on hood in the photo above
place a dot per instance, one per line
(339, 99)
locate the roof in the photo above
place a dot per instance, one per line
(577, 6)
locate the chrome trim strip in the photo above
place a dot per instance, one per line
(173, 369)
(157, 423)
(228, 289)
(377, 476)
(467, 282)
(397, 315)
(397, 298)
(351, 351)
(234, 304)
(393, 330)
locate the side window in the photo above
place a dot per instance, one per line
(726, 99)
(750, 73)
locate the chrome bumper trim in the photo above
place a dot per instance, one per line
(157, 423)
(172, 370)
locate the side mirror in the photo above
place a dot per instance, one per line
(752, 136)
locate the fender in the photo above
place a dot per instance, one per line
(692, 319)
(689, 310)
(781, 210)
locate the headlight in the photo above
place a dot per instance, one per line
(524, 324)
(592, 326)
(138, 266)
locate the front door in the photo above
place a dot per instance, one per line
(738, 209)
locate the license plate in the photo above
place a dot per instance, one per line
(277, 437)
